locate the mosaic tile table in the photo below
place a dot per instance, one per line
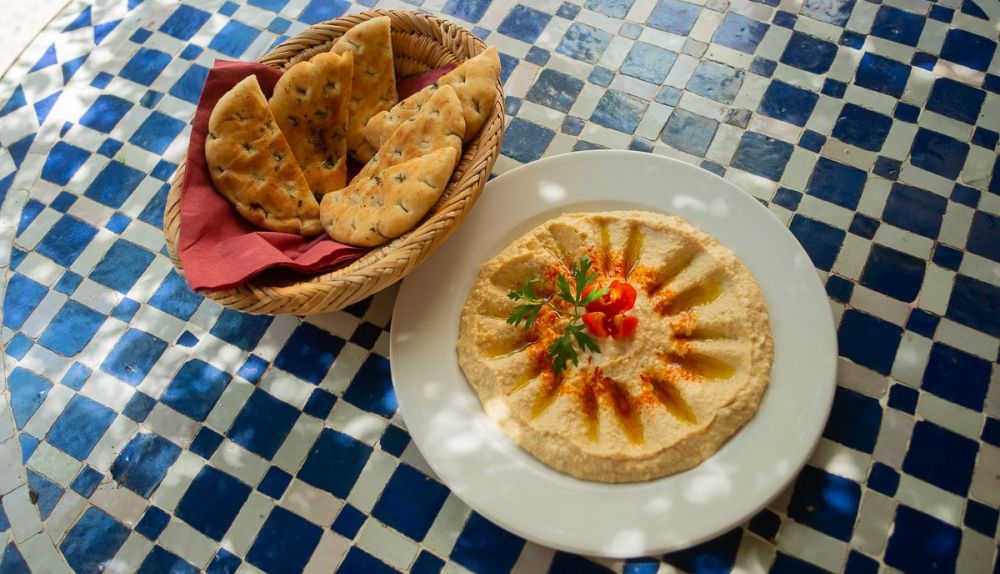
(143, 427)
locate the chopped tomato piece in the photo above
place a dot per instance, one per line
(595, 322)
(623, 326)
(619, 298)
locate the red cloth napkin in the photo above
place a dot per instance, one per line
(217, 247)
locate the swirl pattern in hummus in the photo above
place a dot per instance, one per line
(657, 403)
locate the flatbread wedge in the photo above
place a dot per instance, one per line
(310, 103)
(389, 204)
(252, 164)
(475, 83)
(374, 79)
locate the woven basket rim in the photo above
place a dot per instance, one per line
(385, 265)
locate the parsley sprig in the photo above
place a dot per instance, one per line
(564, 349)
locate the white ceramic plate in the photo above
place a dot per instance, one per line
(496, 478)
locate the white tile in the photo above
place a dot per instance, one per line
(754, 555)
(247, 523)
(387, 545)
(911, 359)
(114, 440)
(893, 437)
(447, 526)
(969, 340)
(42, 556)
(71, 505)
(879, 305)
(840, 460)
(229, 405)
(372, 481)
(986, 476)
(949, 415)
(171, 424)
(863, 380)
(131, 555)
(108, 391)
(314, 504)
(287, 387)
(21, 513)
(976, 552)
(930, 499)
(936, 292)
(357, 423)
(123, 504)
(188, 543)
(239, 462)
(177, 480)
(328, 554)
(297, 444)
(58, 466)
(875, 517)
(809, 545)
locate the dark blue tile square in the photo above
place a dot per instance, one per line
(855, 418)
(175, 297)
(212, 502)
(903, 398)
(852, 40)
(105, 113)
(140, 36)
(923, 61)
(821, 241)
(648, 62)
(263, 424)
(357, 560)
(150, 99)
(18, 346)
(984, 236)
(110, 147)
(320, 403)
(983, 137)
(789, 104)
(716, 81)
(957, 376)
(784, 19)
(117, 223)
(981, 518)
(894, 273)
(941, 457)
(864, 226)
(348, 522)
(86, 481)
(235, 37)
(18, 255)
(537, 56)
(706, 164)
(524, 23)
(826, 502)
(228, 8)
(906, 112)
(583, 145)
(272, 5)
(138, 407)
(22, 297)
(279, 25)
(991, 431)
(507, 66)
(567, 10)
(142, 464)
(739, 32)
(335, 462)
(66, 240)
(992, 83)
(285, 542)
(717, 554)
(190, 52)
(145, 66)
(188, 87)
(253, 368)
(76, 376)
(915, 210)
(122, 266)
(63, 162)
(941, 14)
(195, 389)
(835, 12)
(858, 563)
(525, 141)
(839, 289)
(44, 493)
(922, 543)
(468, 10)
(245, 330)
(152, 523)
(159, 561)
(486, 548)
(834, 88)
(427, 563)
(101, 80)
(970, 50)
(572, 125)
(922, 323)
(669, 96)
(371, 389)
(275, 482)
(861, 127)
(187, 339)
(71, 329)
(883, 478)
(976, 304)
(80, 425)
(956, 100)
(410, 502)
(309, 352)
(565, 563)
(205, 443)
(613, 8)
(601, 76)
(809, 53)
(583, 42)
(184, 22)
(689, 132)
(673, 16)
(765, 524)
(882, 74)
(938, 153)
(868, 341)
(153, 212)
(896, 25)
(887, 167)
(394, 440)
(114, 184)
(93, 541)
(133, 355)
(555, 90)
(157, 132)
(837, 183)
(762, 155)
(763, 67)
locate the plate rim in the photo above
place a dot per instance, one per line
(828, 383)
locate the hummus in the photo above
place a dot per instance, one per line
(657, 402)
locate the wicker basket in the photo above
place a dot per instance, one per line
(420, 43)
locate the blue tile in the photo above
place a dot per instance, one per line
(689, 132)
(984, 236)
(139, 406)
(619, 111)
(566, 10)
(715, 555)
(947, 257)
(673, 16)
(938, 153)
(985, 138)
(195, 389)
(956, 100)
(784, 19)
(583, 42)
(145, 66)
(538, 56)
(893, 273)
(228, 8)
(525, 24)
(468, 10)
(564, 563)
(142, 464)
(93, 541)
(861, 127)
(762, 155)
(235, 37)
(839, 289)
(922, 322)
(981, 518)
(957, 376)
(855, 418)
(12, 561)
(614, 8)
(263, 424)
(335, 462)
(648, 62)
(153, 212)
(788, 103)
(110, 147)
(410, 502)
(785, 564)
(157, 132)
(826, 502)
(941, 457)
(882, 74)
(114, 184)
(63, 162)
(105, 113)
(205, 442)
(970, 50)
(601, 76)
(974, 10)
(739, 32)
(87, 481)
(320, 403)
(76, 376)
(906, 112)
(160, 561)
(394, 440)
(71, 329)
(187, 339)
(738, 117)
(887, 167)
(348, 522)
(188, 87)
(43, 107)
(486, 548)
(765, 524)
(644, 145)
(716, 81)
(835, 12)
(242, 329)
(868, 341)
(253, 368)
(150, 99)
(80, 425)
(15, 102)
(140, 36)
(883, 479)
(525, 141)
(507, 66)
(44, 493)
(923, 61)
(22, 297)
(555, 90)
(274, 482)
(837, 183)
(18, 346)
(915, 210)
(371, 389)
(175, 297)
(184, 22)
(858, 563)
(309, 352)
(992, 83)
(285, 542)
(427, 563)
(922, 543)
(941, 14)
(273, 5)
(763, 67)
(864, 226)
(808, 53)
(122, 266)
(583, 145)
(357, 560)
(821, 241)
(212, 502)
(117, 223)
(896, 25)
(991, 431)
(975, 304)
(224, 563)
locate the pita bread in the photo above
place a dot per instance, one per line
(253, 167)
(389, 204)
(475, 82)
(310, 104)
(374, 79)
